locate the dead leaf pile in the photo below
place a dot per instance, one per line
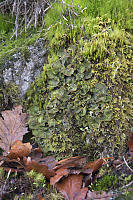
(70, 176)
(73, 176)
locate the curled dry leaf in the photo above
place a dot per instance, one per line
(12, 127)
(59, 174)
(40, 168)
(50, 161)
(69, 166)
(130, 143)
(64, 172)
(70, 187)
(95, 165)
(77, 161)
(19, 150)
(12, 164)
(36, 154)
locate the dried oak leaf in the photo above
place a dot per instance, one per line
(69, 166)
(19, 150)
(65, 171)
(77, 162)
(98, 196)
(50, 161)
(13, 165)
(130, 143)
(59, 174)
(40, 168)
(12, 127)
(95, 165)
(70, 187)
(36, 154)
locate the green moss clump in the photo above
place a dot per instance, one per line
(78, 105)
(6, 25)
(23, 197)
(55, 196)
(9, 95)
(106, 183)
(81, 103)
(37, 178)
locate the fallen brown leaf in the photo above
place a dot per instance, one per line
(77, 161)
(59, 174)
(70, 187)
(50, 161)
(36, 154)
(13, 165)
(12, 127)
(95, 165)
(40, 168)
(19, 150)
(130, 143)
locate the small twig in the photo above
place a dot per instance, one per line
(127, 185)
(127, 164)
(6, 179)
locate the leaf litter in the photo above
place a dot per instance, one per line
(71, 176)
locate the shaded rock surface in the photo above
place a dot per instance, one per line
(24, 67)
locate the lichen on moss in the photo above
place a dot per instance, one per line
(79, 105)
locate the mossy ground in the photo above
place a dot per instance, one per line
(96, 35)
(84, 82)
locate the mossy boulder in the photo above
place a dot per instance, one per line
(81, 103)
(78, 105)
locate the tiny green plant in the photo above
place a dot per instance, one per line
(105, 183)
(1, 173)
(24, 197)
(37, 178)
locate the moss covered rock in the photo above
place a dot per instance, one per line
(81, 103)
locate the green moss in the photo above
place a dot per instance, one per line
(106, 183)
(1, 173)
(8, 47)
(23, 197)
(55, 196)
(9, 95)
(6, 25)
(64, 21)
(76, 99)
(79, 103)
(37, 178)
(117, 10)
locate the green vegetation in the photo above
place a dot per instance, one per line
(1, 173)
(79, 104)
(67, 19)
(23, 197)
(38, 179)
(9, 95)
(55, 196)
(6, 25)
(106, 183)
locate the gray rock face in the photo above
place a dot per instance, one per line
(23, 68)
